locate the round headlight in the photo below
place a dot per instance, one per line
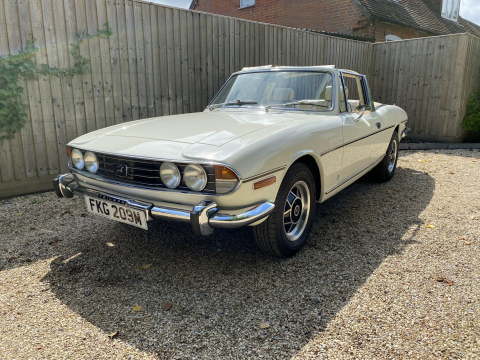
(77, 159)
(170, 175)
(91, 162)
(195, 177)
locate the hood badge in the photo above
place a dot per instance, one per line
(121, 170)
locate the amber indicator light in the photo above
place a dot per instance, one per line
(224, 173)
(69, 151)
(265, 182)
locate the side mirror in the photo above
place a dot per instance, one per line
(361, 107)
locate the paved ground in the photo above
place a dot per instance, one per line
(390, 271)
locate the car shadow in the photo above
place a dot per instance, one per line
(221, 288)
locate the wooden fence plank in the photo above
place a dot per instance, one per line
(191, 62)
(106, 73)
(156, 66)
(149, 60)
(172, 101)
(115, 63)
(124, 59)
(163, 60)
(132, 59)
(209, 48)
(185, 62)
(203, 59)
(198, 62)
(178, 61)
(140, 59)
(242, 45)
(6, 159)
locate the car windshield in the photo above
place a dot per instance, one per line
(303, 90)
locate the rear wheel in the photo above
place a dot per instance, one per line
(285, 231)
(386, 169)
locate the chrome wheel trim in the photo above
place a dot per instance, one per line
(392, 156)
(296, 211)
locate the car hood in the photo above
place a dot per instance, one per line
(179, 137)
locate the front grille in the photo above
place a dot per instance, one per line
(146, 172)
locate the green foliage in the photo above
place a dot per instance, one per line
(471, 121)
(22, 67)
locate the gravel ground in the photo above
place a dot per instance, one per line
(390, 271)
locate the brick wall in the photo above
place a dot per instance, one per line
(325, 15)
(380, 29)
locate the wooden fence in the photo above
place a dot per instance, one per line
(162, 60)
(430, 78)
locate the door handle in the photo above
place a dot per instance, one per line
(361, 115)
(379, 125)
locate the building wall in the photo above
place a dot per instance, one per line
(380, 29)
(325, 15)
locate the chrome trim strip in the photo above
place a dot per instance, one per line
(61, 189)
(352, 176)
(249, 217)
(351, 142)
(269, 172)
(171, 214)
(200, 215)
(406, 132)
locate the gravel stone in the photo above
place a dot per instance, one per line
(364, 287)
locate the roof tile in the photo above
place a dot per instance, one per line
(417, 14)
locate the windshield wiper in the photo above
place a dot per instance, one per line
(307, 102)
(300, 102)
(233, 102)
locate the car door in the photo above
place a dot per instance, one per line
(359, 126)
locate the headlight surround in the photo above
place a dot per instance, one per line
(195, 177)
(91, 162)
(170, 175)
(77, 159)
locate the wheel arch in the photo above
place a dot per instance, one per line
(315, 167)
(397, 129)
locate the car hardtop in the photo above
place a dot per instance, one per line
(323, 68)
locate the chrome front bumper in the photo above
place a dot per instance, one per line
(406, 132)
(204, 217)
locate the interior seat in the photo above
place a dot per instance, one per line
(282, 95)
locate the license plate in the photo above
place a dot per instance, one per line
(117, 212)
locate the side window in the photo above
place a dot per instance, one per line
(356, 91)
(246, 3)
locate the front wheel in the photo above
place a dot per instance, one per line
(286, 230)
(384, 171)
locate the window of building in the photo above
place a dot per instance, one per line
(246, 3)
(392, 38)
(451, 9)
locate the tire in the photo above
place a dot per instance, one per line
(385, 170)
(274, 237)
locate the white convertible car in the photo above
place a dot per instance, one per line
(272, 143)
